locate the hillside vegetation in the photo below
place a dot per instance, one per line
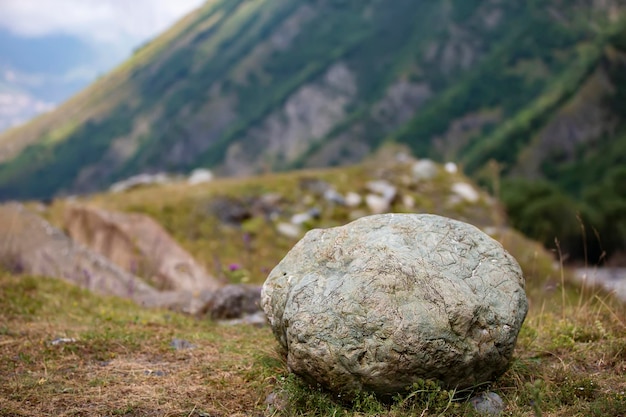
(67, 352)
(245, 87)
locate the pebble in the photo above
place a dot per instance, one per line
(424, 169)
(288, 230)
(353, 199)
(180, 344)
(488, 403)
(465, 191)
(377, 204)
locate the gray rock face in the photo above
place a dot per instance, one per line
(387, 299)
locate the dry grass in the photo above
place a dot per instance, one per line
(185, 211)
(570, 359)
(121, 361)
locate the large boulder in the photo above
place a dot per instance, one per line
(139, 245)
(31, 245)
(388, 299)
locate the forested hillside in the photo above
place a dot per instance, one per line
(527, 96)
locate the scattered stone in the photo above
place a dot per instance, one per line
(488, 403)
(383, 188)
(200, 176)
(139, 181)
(289, 230)
(267, 206)
(353, 199)
(424, 169)
(150, 372)
(386, 300)
(408, 201)
(229, 210)
(315, 186)
(301, 218)
(257, 319)
(276, 402)
(450, 168)
(180, 344)
(465, 191)
(377, 204)
(403, 157)
(62, 340)
(332, 196)
(233, 301)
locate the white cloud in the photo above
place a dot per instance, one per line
(18, 107)
(112, 29)
(103, 21)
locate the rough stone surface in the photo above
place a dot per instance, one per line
(387, 299)
(33, 246)
(139, 245)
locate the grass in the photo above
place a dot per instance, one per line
(120, 362)
(117, 358)
(189, 213)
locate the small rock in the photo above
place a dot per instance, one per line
(233, 302)
(408, 201)
(62, 340)
(353, 199)
(403, 158)
(199, 176)
(229, 210)
(276, 401)
(451, 168)
(488, 403)
(315, 186)
(383, 188)
(424, 169)
(154, 373)
(288, 230)
(305, 217)
(180, 344)
(331, 195)
(257, 319)
(377, 204)
(138, 181)
(465, 191)
(300, 218)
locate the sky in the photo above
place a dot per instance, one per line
(50, 49)
(115, 23)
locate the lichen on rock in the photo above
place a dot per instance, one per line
(389, 299)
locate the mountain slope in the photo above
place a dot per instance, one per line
(249, 86)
